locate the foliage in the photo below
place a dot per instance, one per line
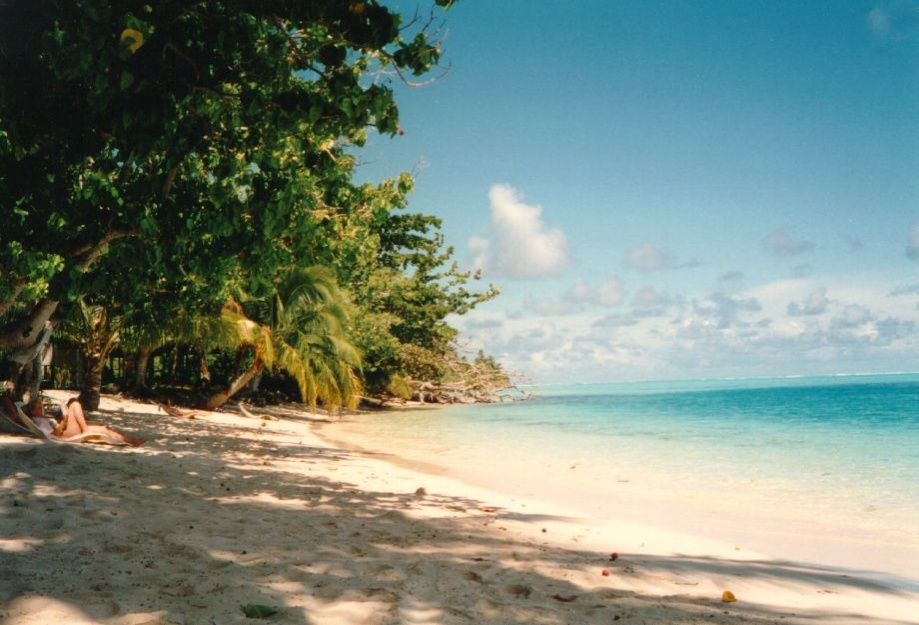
(403, 283)
(302, 330)
(97, 331)
(204, 132)
(158, 158)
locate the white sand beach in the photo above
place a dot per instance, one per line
(223, 510)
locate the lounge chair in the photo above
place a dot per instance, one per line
(25, 423)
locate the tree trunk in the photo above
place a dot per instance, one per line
(204, 371)
(23, 334)
(142, 360)
(219, 398)
(92, 383)
(27, 340)
(255, 383)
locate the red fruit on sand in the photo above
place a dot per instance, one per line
(604, 573)
(614, 556)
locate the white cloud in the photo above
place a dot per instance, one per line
(580, 293)
(614, 321)
(647, 258)
(910, 289)
(815, 304)
(610, 294)
(782, 327)
(731, 281)
(649, 302)
(781, 243)
(521, 245)
(724, 311)
(548, 307)
(577, 299)
(852, 316)
(649, 297)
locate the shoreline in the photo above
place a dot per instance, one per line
(707, 525)
(224, 510)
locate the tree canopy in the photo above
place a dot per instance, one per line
(159, 158)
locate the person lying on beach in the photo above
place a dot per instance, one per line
(72, 427)
(73, 423)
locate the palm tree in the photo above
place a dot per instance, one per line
(229, 329)
(303, 332)
(96, 328)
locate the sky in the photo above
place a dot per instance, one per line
(675, 190)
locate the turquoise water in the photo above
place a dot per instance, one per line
(838, 448)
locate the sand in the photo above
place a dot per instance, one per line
(223, 510)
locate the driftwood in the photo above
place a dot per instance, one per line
(465, 392)
(246, 413)
(173, 411)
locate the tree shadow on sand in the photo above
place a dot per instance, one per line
(207, 518)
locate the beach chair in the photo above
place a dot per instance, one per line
(24, 423)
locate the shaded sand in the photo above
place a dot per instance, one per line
(224, 510)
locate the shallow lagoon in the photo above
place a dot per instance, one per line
(777, 465)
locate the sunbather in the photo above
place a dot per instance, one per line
(72, 427)
(73, 423)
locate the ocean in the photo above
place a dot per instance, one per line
(766, 462)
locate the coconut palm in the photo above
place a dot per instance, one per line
(96, 328)
(302, 331)
(230, 329)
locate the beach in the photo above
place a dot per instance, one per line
(224, 510)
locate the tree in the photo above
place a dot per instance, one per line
(195, 140)
(303, 331)
(404, 285)
(96, 330)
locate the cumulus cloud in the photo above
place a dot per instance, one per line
(912, 242)
(852, 316)
(647, 258)
(577, 298)
(781, 243)
(608, 294)
(481, 323)
(581, 292)
(910, 289)
(815, 304)
(892, 329)
(895, 19)
(732, 281)
(614, 321)
(721, 311)
(548, 307)
(649, 302)
(521, 246)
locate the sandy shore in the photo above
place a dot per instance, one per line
(223, 510)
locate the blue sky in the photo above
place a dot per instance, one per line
(676, 189)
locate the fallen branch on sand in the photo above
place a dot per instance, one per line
(246, 413)
(172, 411)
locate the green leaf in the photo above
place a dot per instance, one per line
(127, 79)
(257, 610)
